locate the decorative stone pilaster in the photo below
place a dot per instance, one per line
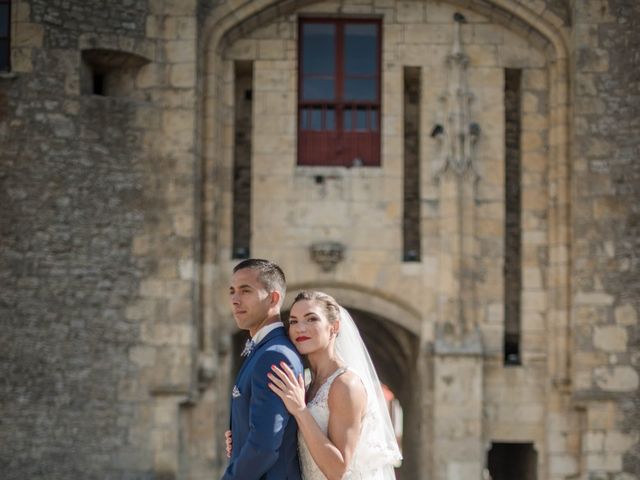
(458, 361)
(457, 182)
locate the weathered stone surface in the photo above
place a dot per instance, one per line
(116, 217)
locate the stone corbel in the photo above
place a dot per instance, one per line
(327, 254)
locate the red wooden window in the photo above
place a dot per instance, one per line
(5, 22)
(339, 92)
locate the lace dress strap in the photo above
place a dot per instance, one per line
(322, 395)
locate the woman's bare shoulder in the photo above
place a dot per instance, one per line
(347, 387)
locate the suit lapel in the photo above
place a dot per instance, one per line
(276, 332)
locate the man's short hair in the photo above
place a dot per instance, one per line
(269, 274)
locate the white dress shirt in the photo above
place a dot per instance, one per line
(264, 331)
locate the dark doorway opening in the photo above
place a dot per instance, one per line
(513, 461)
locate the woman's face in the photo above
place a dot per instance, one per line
(309, 328)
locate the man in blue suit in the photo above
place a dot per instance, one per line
(265, 444)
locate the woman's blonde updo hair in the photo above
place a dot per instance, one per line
(331, 307)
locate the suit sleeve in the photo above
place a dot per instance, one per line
(268, 418)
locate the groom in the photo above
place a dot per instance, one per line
(263, 433)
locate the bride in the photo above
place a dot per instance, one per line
(344, 429)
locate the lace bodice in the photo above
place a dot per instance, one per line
(319, 409)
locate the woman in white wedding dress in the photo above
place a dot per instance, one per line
(344, 429)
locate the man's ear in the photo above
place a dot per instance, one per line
(275, 298)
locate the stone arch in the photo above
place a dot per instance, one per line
(542, 27)
(536, 22)
(366, 300)
(237, 17)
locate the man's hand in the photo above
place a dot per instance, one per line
(229, 441)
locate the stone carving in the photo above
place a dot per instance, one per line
(327, 254)
(458, 134)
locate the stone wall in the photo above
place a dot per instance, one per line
(97, 245)
(606, 213)
(115, 356)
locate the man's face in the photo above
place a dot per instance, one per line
(250, 301)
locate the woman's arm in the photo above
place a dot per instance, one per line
(347, 402)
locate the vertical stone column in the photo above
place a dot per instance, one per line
(457, 401)
(457, 413)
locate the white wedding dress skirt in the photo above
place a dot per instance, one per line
(358, 470)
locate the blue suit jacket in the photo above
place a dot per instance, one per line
(265, 443)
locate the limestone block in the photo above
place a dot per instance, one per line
(425, 36)
(593, 298)
(183, 225)
(532, 278)
(607, 462)
(179, 7)
(563, 465)
(180, 310)
(180, 51)
(392, 36)
(590, 106)
(533, 300)
(593, 60)
(618, 442)
(268, 31)
(182, 75)
(535, 79)
(20, 12)
(482, 56)
(384, 4)
(441, 12)
(582, 380)
(464, 470)
(141, 309)
(159, 334)
(271, 50)
(487, 33)
(184, 28)
(601, 416)
(357, 8)
(535, 198)
(153, 26)
(132, 391)
(178, 121)
(608, 208)
(518, 56)
(391, 125)
(593, 441)
(242, 49)
(556, 441)
(143, 356)
(531, 141)
(173, 98)
(278, 78)
(28, 35)
(21, 59)
(141, 244)
(616, 379)
(626, 315)
(610, 338)
(410, 12)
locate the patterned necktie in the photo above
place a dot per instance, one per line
(248, 348)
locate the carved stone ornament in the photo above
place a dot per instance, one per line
(327, 254)
(457, 133)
